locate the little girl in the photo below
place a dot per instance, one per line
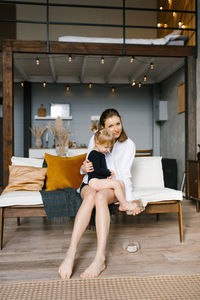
(101, 177)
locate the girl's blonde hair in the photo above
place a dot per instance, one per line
(104, 136)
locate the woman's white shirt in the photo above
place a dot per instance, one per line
(120, 160)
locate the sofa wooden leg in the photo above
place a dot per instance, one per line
(180, 220)
(1, 227)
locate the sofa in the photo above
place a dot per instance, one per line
(22, 198)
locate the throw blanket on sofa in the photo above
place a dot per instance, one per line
(62, 204)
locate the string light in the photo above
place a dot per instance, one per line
(159, 25)
(22, 84)
(174, 14)
(139, 84)
(165, 25)
(151, 66)
(161, 7)
(132, 59)
(67, 88)
(90, 85)
(180, 24)
(169, 1)
(102, 60)
(145, 77)
(44, 84)
(133, 82)
(69, 58)
(113, 89)
(183, 26)
(37, 61)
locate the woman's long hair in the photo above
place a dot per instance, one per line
(109, 113)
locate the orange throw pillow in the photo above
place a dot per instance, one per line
(25, 178)
(63, 171)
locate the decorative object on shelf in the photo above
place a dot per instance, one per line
(61, 136)
(38, 132)
(42, 111)
(198, 154)
(60, 110)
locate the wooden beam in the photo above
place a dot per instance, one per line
(8, 111)
(102, 49)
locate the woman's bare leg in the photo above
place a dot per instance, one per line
(81, 222)
(102, 199)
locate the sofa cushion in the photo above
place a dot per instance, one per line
(25, 178)
(25, 161)
(147, 172)
(63, 171)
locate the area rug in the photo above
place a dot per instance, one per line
(155, 287)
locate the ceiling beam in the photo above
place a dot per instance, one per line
(83, 68)
(112, 70)
(52, 67)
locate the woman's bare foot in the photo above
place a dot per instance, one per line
(66, 267)
(95, 269)
(132, 208)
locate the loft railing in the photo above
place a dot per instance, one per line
(122, 8)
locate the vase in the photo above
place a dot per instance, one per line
(61, 150)
(38, 142)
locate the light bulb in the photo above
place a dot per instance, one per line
(174, 14)
(180, 24)
(67, 88)
(159, 25)
(133, 82)
(161, 7)
(102, 60)
(69, 58)
(145, 77)
(90, 85)
(165, 25)
(44, 84)
(132, 59)
(139, 84)
(113, 89)
(22, 84)
(151, 66)
(37, 61)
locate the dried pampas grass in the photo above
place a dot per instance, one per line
(38, 132)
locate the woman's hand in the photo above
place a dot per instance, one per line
(112, 173)
(87, 166)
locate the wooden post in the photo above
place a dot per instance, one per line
(8, 111)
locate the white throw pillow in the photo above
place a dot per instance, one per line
(147, 172)
(28, 162)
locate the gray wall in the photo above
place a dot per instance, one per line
(134, 105)
(172, 132)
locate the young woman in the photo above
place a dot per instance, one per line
(120, 161)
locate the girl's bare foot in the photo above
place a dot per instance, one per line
(95, 269)
(132, 208)
(66, 267)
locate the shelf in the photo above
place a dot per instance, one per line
(50, 118)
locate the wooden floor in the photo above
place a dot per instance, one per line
(34, 250)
